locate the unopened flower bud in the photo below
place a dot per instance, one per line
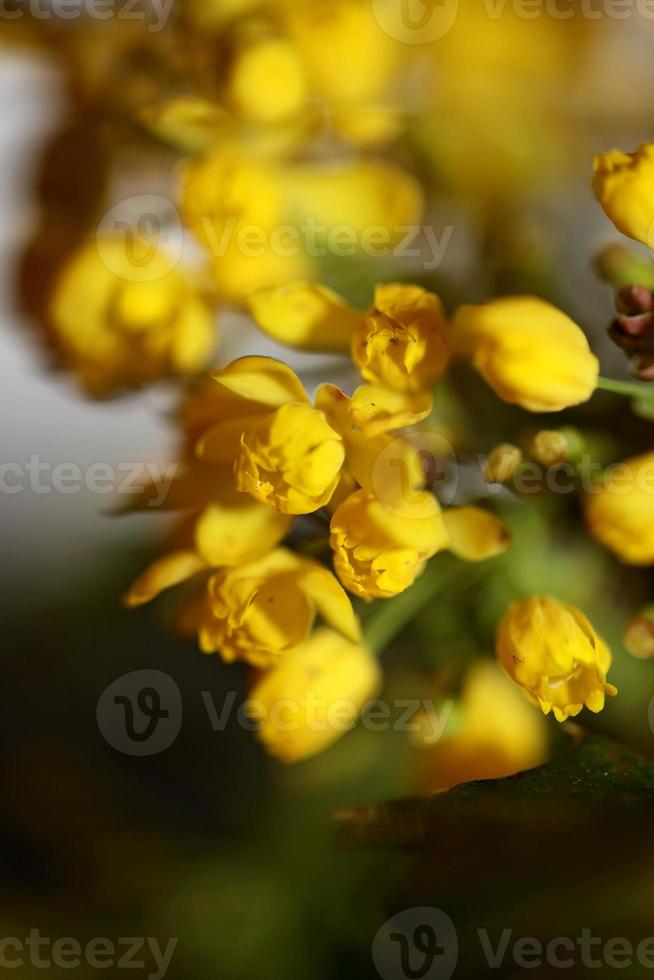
(549, 448)
(502, 463)
(639, 635)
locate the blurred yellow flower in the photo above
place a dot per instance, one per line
(267, 82)
(496, 733)
(624, 186)
(529, 352)
(314, 696)
(502, 463)
(620, 511)
(402, 344)
(380, 551)
(266, 223)
(121, 318)
(262, 612)
(551, 650)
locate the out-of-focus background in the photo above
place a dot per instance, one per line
(210, 841)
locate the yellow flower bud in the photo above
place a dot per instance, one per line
(402, 344)
(314, 697)
(122, 318)
(639, 635)
(262, 612)
(551, 650)
(502, 463)
(550, 448)
(530, 353)
(620, 511)
(624, 186)
(378, 551)
(291, 460)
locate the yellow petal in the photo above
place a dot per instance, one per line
(331, 601)
(305, 315)
(238, 530)
(262, 379)
(475, 534)
(171, 570)
(376, 410)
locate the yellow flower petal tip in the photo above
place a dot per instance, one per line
(619, 511)
(475, 534)
(314, 697)
(305, 315)
(552, 651)
(624, 185)
(528, 351)
(402, 344)
(164, 574)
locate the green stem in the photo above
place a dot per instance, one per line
(632, 389)
(394, 614)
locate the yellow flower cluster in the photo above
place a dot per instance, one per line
(263, 461)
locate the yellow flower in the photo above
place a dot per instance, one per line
(285, 452)
(267, 82)
(262, 612)
(551, 650)
(620, 511)
(402, 344)
(624, 186)
(380, 551)
(292, 460)
(530, 353)
(496, 733)
(314, 696)
(502, 463)
(122, 318)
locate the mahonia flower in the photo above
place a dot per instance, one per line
(551, 650)
(402, 343)
(121, 319)
(529, 352)
(262, 612)
(624, 186)
(620, 511)
(379, 551)
(325, 672)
